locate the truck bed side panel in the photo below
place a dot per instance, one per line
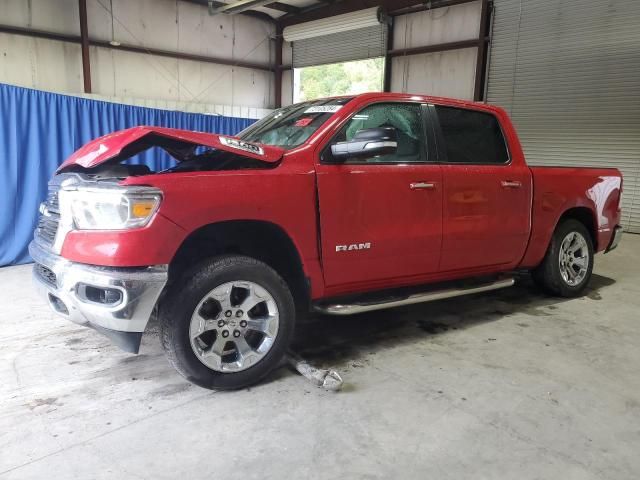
(558, 189)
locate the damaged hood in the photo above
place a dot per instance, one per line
(117, 146)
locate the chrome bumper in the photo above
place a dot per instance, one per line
(615, 239)
(136, 290)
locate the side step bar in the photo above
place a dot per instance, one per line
(361, 307)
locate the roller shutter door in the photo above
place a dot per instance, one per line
(568, 72)
(354, 36)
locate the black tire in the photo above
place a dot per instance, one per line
(180, 302)
(548, 274)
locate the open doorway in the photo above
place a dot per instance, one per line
(345, 78)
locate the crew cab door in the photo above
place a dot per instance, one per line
(487, 194)
(381, 217)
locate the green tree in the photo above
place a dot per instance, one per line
(341, 78)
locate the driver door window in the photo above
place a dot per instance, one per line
(405, 118)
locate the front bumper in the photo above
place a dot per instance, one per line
(121, 315)
(615, 239)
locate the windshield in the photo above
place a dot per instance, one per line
(292, 126)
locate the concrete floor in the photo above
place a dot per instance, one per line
(510, 384)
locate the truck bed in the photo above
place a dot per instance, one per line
(557, 190)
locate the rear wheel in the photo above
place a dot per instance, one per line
(228, 323)
(568, 264)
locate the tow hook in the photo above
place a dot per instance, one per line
(327, 379)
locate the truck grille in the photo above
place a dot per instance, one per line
(49, 220)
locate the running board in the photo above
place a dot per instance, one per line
(361, 307)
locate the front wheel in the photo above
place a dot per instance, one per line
(227, 323)
(567, 266)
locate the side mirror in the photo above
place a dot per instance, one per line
(367, 143)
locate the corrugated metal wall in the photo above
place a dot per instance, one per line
(184, 27)
(448, 74)
(568, 72)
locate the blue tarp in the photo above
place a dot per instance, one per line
(38, 130)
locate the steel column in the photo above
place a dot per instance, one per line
(84, 43)
(387, 58)
(278, 67)
(481, 59)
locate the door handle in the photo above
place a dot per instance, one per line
(422, 185)
(511, 184)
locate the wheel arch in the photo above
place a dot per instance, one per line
(548, 274)
(259, 239)
(584, 215)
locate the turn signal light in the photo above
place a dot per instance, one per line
(142, 209)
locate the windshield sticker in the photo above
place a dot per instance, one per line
(240, 145)
(303, 122)
(323, 109)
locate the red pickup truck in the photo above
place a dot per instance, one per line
(341, 205)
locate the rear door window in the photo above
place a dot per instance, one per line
(471, 137)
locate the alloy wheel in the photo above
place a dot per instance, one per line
(574, 259)
(234, 326)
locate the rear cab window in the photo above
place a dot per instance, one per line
(471, 137)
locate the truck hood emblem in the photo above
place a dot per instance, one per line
(240, 145)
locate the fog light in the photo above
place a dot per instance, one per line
(58, 305)
(100, 295)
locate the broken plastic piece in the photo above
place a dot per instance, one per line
(327, 379)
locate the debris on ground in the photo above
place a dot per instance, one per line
(327, 379)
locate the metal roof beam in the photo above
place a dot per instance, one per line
(392, 7)
(240, 6)
(284, 7)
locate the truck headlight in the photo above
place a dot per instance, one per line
(111, 208)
